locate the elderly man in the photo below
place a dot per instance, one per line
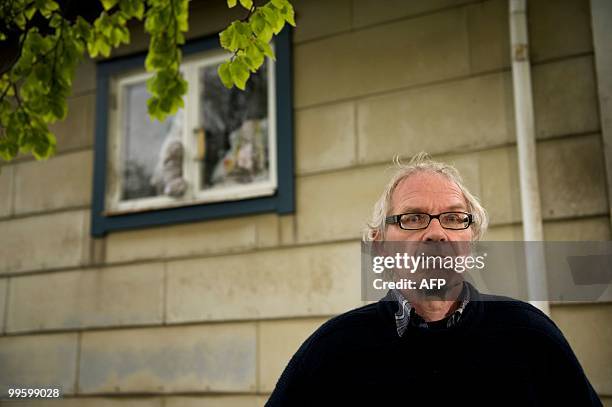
(466, 348)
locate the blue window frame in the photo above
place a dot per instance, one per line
(280, 200)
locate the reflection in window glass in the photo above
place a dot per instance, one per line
(152, 152)
(235, 130)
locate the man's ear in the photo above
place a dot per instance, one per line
(378, 244)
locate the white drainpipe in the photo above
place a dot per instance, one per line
(528, 172)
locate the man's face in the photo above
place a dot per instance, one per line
(430, 193)
(426, 192)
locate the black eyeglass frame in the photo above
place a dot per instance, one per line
(395, 219)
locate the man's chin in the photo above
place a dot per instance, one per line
(433, 294)
(449, 291)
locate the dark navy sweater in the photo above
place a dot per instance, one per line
(504, 352)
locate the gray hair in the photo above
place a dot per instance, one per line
(422, 162)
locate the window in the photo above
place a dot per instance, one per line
(227, 152)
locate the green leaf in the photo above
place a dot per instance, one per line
(249, 63)
(225, 74)
(46, 7)
(82, 29)
(266, 49)
(153, 108)
(20, 20)
(257, 22)
(247, 4)
(29, 11)
(108, 4)
(235, 36)
(51, 5)
(256, 57)
(226, 36)
(45, 146)
(274, 18)
(266, 33)
(103, 46)
(8, 149)
(289, 14)
(240, 72)
(270, 15)
(139, 11)
(231, 3)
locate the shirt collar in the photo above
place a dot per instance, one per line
(404, 315)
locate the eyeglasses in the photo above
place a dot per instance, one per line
(416, 221)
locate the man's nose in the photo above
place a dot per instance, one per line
(434, 232)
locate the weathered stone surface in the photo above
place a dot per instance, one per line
(489, 35)
(319, 18)
(559, 28)
(589, 332)
(63, 181)
(87, 298)
(267, 227)
(215, 358)
(338, 205)
(287, 229)
(198, 238)
(446, 118)
(469, 169)
(570, 172)
(415, 51)
(85, 78)
(504, 233)
(500, 185)
(3, 296)
(213, 401)
(77, 130)
(6, 190)
(368, 12)
(278, 341)
(572, 177)
(565, 97)
(325, 137)
(39, 360)
(589, 229)
(305, 281)
(44, 242)
(89, 402)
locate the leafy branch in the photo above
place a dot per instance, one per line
(43, 41)
(249, 39)
(168, 86)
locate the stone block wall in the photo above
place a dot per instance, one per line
(209, 313)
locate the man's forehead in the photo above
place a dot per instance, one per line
(426, 185)
(427, 182)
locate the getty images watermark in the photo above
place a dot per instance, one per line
(572, 271)
(409, 263)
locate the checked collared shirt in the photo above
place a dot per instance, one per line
(405, 314)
